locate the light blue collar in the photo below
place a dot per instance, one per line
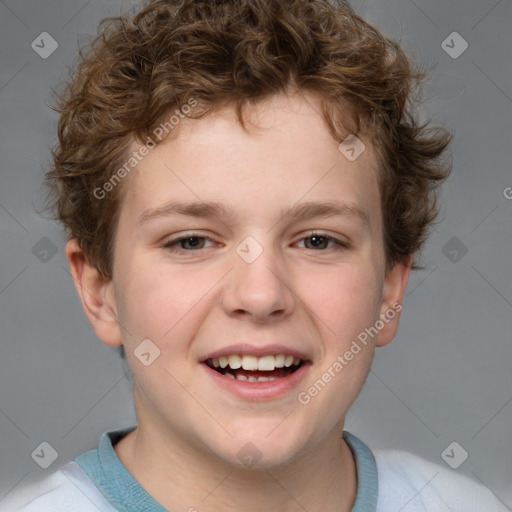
(367, 480)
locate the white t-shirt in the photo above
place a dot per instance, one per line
(388, 481)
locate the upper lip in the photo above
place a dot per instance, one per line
(258, 351)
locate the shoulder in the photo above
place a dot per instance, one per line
(67, 490)
(408, 483)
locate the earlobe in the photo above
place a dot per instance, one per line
(395, 284)
(96, 295)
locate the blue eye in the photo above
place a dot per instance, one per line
(321, 241)
(194, 243)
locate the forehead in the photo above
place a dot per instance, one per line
(285, 155)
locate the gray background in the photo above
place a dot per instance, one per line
(446, 377)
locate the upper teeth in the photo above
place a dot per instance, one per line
(265, 363)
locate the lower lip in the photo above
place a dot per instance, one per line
(266, 390)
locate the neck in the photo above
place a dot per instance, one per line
(182, 477)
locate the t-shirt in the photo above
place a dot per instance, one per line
(387, 481)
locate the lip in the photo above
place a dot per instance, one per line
(258, 391)
(251, 350)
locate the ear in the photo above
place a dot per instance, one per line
(395, 283)
(96, 294)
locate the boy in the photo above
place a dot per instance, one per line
(244, 188)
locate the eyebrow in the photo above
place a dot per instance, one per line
(301, 211)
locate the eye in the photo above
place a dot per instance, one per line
(194, 242)
(187, 243)
(321, 241)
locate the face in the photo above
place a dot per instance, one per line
(272, 245)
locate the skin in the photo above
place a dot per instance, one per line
(193, 301)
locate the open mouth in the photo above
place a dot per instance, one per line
(255, 369)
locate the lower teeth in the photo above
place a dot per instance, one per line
(245, 375)
(250, 378)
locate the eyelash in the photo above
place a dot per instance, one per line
(171, 245)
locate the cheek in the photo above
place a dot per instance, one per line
(162, 307)
(159, 304)
(345, 302)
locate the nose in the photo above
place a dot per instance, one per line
(259, 290)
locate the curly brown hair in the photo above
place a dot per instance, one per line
(142, 67)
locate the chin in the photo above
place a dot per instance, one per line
(260, 451)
